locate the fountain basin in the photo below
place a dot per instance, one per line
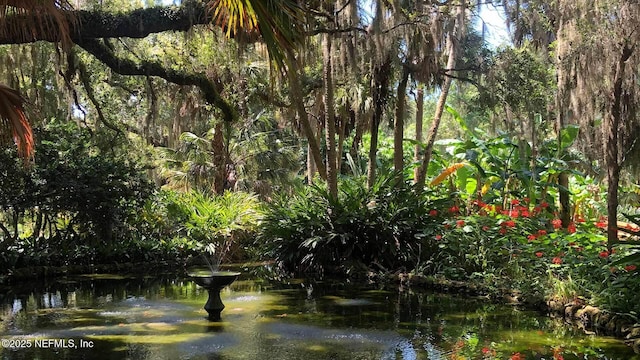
(214, 282)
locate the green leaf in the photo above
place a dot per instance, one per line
(568, 135)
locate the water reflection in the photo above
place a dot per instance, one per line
(161, 317)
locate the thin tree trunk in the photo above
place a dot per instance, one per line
(380, 82)
(611, 147)
(297, 99)
(311, 165)
(357, 137)
(218, 149)
(454, 40)
(419, 115)
(563, 177)
(312, 169)
(37, 227)
(329, 117)
(398, 125)
(373, 148)
(342, 134)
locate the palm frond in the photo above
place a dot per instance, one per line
(37, 19)
(280, 23)
(13, 122)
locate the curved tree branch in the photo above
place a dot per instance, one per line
(150, 68)
(86, 83)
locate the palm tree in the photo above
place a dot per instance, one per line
(282, 26)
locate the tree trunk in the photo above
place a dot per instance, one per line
(419, 114)
(380, 82)
(398, 125)
(611, 147)
(342, 134)
(37, 227)
(311, 165)
(357, 137)
(329, 117)
(373, 149)
(219, 163)
(563, 177)
(297, 99)
(455, 38)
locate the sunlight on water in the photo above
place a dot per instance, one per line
(163, 318)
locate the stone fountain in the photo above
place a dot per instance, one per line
(214, 282)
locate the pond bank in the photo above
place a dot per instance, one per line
(578, 313)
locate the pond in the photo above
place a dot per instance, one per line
(161, 317)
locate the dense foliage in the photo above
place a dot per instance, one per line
(152, 148)
(74, 203)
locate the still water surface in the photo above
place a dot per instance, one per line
(161, 317)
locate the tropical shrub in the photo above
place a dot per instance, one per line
(361, 229)
(191, 222)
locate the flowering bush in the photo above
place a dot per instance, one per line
(525, 247)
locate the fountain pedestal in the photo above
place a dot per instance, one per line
(214, 282)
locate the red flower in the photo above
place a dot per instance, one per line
(514, 213)
(515, 202)
(438, 237)
(601, 224)
(485, 350)
(485, 228)
(531, 237)
(571, 228)
(539, 254)
(579, 219)
(433, 212)
(557, 223)
(556, 260)
(525, 213)
(630, 268)
(502, 231)
(454, 209)
(508, 223)
(542, 232)
(460, 223)
(604, 254)
(544, 204)
(516, 356)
